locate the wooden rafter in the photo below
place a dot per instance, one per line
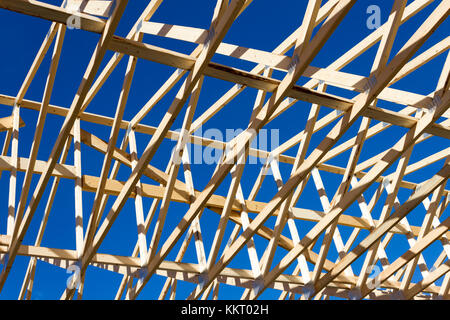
(280, 219)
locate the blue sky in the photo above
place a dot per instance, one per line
(262, 26)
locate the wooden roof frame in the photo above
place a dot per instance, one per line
(421, 119)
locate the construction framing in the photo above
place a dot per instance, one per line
(298, 263)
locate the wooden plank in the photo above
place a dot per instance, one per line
(257, 121)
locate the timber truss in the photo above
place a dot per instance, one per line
(301, 253)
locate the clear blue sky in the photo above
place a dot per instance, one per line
(263, 26)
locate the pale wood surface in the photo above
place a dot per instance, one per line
(332, 248)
